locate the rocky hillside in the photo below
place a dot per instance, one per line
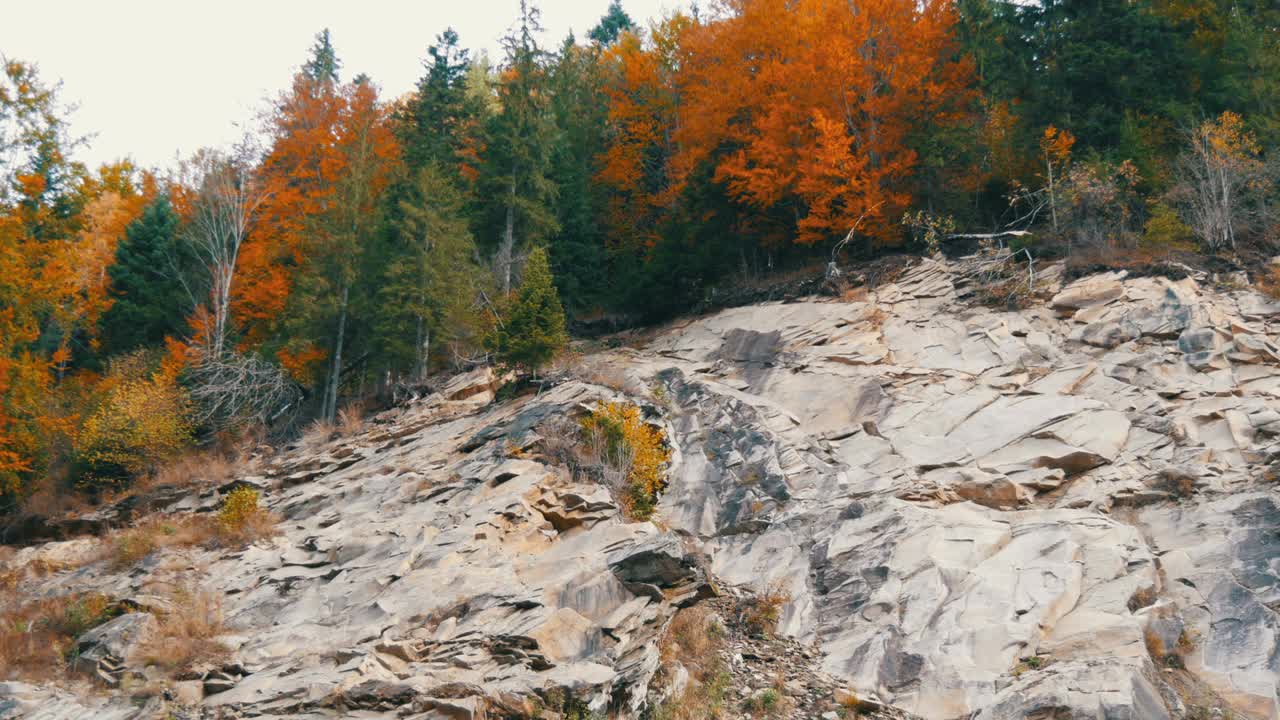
(1068, 511)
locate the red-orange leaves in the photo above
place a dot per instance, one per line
(808, 106)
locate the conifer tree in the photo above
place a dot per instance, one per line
(145, 285)
(615, 22)
(518, 160)
(427, 294)
(324, 64)
(533, 331)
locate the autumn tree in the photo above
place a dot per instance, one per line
(1221, 175)
(332, 155)
(222, 204)
(812, 107)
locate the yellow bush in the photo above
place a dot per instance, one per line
(627, 443)
(238, 509)
(143, 420)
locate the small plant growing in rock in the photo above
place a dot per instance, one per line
(766, 701)
(632, 452)
(762, 613)
(238, 508)
(130, 547)
(241, 518)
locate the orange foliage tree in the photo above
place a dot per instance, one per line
(333, 154)
(644, 100)
(813, 106)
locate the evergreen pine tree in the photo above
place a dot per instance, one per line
(580, 110)
(615, 22)
(144, 283)
(324, 64)
(518, 160)
(426, 296)
(438, 113)
(533, 331)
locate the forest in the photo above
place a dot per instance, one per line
(354, 242)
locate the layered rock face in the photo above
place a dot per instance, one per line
(1068, 511)
(999, 513)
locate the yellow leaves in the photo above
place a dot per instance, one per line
(1228, 136)
(143, 420)
(240, 506)
(627, 442)
(1056, 145)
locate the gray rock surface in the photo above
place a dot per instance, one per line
(1067, 511)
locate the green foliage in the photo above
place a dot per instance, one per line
(323, 64)
(615, 22)
(518, 194)
(580, 111)
(434, 125)
(1164, 230)
(532, 330)
(429, 291)
(145, 285)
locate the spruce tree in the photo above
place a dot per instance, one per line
(580, 109)
(428, 289)
(324, 64)
(439, 113)
(516, 174)
(615, 22)
(145, 285)
(533, 331)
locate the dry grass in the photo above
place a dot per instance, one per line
(36, 636)
(318, 434)
(762, 612)
(603, 373)
(212, 467)
(1268, 282)
(186, 635)
(240, 521)
(695, 639)
(125, 548)
(351, 419)
(855, 294)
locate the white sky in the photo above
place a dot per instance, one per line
(153, 78)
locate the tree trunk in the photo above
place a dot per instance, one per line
(335, 372)
(423, 348)
(506, 252)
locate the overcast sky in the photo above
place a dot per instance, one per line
(153, 78)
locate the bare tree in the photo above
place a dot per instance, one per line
(1220, 171)
(226, 195)
(234, 388)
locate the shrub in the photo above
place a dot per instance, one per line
(241, 518)
(633, 451)
(532, 329)
(762, 612)
(1165, 231)
(143, 421)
